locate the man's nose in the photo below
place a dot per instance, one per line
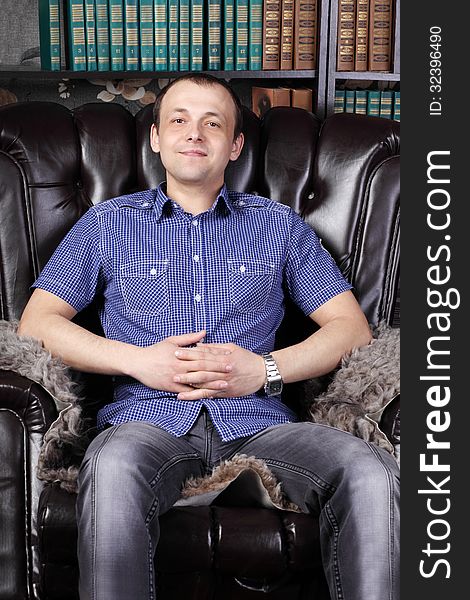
(195, 132)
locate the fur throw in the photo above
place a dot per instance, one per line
(367, 380)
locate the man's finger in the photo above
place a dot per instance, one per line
(187, 338)
(213, 381)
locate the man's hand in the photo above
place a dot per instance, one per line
(246, 375)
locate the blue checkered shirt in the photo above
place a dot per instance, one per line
(163, 272)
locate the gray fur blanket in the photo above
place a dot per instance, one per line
(366, 381)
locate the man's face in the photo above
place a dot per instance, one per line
(195, 135)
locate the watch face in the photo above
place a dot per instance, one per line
(274, 388)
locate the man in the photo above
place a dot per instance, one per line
(193, 280)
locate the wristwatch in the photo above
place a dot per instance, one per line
(273, 385)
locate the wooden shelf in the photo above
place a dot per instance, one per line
(367, 75)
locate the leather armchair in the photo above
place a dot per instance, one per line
(341, 175)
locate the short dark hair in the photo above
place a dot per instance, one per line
(202, 79)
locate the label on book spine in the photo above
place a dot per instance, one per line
(173, 28)
(228, 35)
(346, 35)
(255, 35)
(49, 34)
(161, 35)
(271, 34)
(362, 35)
(90, 30)
(147, 44)
(196, 28)
(305, 37)
(102, 35)
(214, 35)
(287, 34)
(116, 33)
(241, 35)
(131, 35)
(184, 35)
(76, 34)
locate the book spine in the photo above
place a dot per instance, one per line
(49, 34)
(228, 35)
(90, 30)
(339, 101)
(241, 35)
(360, 107)
(346, 35)
(255, 35)
(146, 27)
(386, 104)
(173, 28)
(196, 34)
(161, 35)
(287, 34)
(271, 35)
(116, 34)
(362, 35)
(76, 34)
(349, 101)
(305, 38)
(380, 35)
(131, 35)
(102, 35)
(396, 106)
(373, 103)
(213, 35)
(184, 35)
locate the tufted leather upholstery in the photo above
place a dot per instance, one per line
(341, 175)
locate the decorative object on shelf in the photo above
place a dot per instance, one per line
(7, 97)
(132, 90)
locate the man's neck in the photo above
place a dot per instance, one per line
(193, 199)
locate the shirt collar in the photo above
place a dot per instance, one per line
(222, 201)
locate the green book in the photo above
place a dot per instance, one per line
(184, 35)
(75, 17)
(147, 44)
(255, 35)
(241, 35)
(90, 31)
(349, 101)
(396, 106)
(360, 107)
(228, 35)
(102, 35)
(386, 104)
(195, 34)
(116, 34)
(339, 101)
(161, 35)
(49, 34)
(131, 35)
(214, 35)
(373, 103)
(173, 27)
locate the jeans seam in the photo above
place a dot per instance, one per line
(323, 485)
(330, 516)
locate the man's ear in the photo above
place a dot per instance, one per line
(237, 147)
(154, 139)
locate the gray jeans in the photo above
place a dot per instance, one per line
(134, 472)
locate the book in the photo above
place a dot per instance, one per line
(302, 98)
(146, 30)
(184, 35)
(241, 35)
(339, 101)
(131, 35)
(305, 36)
(287, 34)
(173, 28)
(346, 35)
(264, 98)
(116, 34)
(380, 35)
(75, 18)
(362, 35)
(271, 34)
(102, 35)
(228, 35)
(373, 103)
(386, 97)
(255, 35)
(360, 106)
(349, 101)
(396, 106)
(196, 34)
(161, 35)
(49, 34)
(213, 38)
(90, 33)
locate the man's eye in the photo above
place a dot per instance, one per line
(178, 120)
(214, 124)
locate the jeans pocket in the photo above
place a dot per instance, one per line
(145, 287)
(250, 283)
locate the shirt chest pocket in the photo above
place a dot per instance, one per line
(145, 287)
(250, 283)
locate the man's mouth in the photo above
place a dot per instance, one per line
(193, 152)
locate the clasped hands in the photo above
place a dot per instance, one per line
(202, 371)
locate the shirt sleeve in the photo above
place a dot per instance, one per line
(74, 272)
(311, 275)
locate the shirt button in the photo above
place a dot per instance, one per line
(242, 269)
(196, 257)
(145, 204)
(241, 203)
(197, 297)
(153, 271)
(195, 223)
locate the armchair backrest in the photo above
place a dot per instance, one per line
(341, 175)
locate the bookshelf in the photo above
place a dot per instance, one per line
(323, 79)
